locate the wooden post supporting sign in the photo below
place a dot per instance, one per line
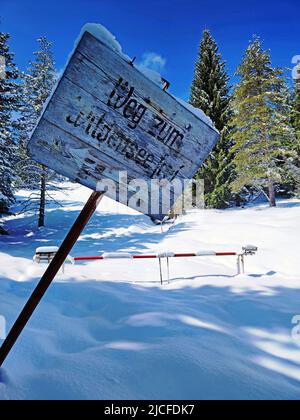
(59, 259)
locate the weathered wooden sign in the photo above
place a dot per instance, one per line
(106, 117)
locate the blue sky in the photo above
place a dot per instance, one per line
(167, 29)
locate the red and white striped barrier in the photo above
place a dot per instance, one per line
(119, 256)
(249, 250)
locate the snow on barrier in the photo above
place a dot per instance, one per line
(246, 251)
(45, 254)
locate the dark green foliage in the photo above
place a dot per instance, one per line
(295, 119)
(9, 102)
(262, 135)
(210, 92)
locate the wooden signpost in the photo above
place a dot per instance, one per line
(106, 117)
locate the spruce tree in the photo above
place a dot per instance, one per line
(296, 106)
(37, 86)
(210, 92)
(9, 101)
(295, 119)
(263, 134)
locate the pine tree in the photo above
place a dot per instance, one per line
(263, 134)
(210, 92)
(9, 101)
(37, 86)
(296, 106)
(295, 119)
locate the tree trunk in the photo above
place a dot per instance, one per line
(238, 200)
(272, 196)
(3, 231)
(42, 199)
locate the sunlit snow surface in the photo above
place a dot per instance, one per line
(108, 330)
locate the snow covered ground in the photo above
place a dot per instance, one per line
(108, 330)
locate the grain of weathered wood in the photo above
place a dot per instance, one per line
(106, 117)
(197, 137)
(75, 100)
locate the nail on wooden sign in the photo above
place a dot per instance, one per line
(107, 117)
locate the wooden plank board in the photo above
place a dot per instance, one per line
(106, 117)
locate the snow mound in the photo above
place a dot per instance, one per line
(197, 112)
(105, 36)
(109, 330)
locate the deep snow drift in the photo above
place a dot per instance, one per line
(108, 330)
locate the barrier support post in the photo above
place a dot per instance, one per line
(161, 272)
(54, 267)
(241, 264)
